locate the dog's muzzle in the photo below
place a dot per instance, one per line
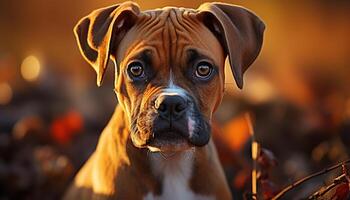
(172, 122)
(177, 123)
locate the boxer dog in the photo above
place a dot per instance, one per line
(169, 80)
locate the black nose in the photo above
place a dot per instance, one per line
(171, 107)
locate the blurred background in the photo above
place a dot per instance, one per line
(51, 111)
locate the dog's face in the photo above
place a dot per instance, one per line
(170, 80)
(170, 65)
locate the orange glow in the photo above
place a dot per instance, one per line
(259, 89)
(30, 68)
(347, 108)
(5, 93)
(64, 128)
(236, 133)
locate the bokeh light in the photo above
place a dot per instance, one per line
(5, 93)
(30, 68)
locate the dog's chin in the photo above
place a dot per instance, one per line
(162, 144)
(169, 146)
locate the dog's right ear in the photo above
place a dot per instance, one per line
(99, 34)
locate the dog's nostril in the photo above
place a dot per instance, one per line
(180, 107)
(161, 107)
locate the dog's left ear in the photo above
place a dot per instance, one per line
(240, 32)
(99, 34)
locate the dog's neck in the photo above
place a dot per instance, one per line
(174, 172)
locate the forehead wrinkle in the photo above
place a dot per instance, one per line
(166, 41)
(156, 27)
(193, 26)
(181, 22)
(177, 27)
(192, 31)
(172, 34)
(152, 30)
(148, 22)
(134, 49)
(180, 35)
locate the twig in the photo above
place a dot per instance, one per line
(336, 182)
(255, 149)
(297, 183)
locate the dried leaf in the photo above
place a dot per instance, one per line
(268, 188)
(266, 159)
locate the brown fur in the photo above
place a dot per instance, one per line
(119, 168)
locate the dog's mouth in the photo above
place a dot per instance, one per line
(157, 135)
(168, 141)
(169, 130)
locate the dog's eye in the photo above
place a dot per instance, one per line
(135, 69)
(203, 70)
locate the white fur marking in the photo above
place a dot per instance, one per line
(171, 80)
(191, 126)
(175, 174)
(173, 89)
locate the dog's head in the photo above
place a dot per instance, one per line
(170, 65)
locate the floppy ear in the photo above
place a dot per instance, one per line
(240, 32)
(99, 34)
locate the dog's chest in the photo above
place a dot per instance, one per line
(175, 175)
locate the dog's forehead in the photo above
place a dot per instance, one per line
(170, 31)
